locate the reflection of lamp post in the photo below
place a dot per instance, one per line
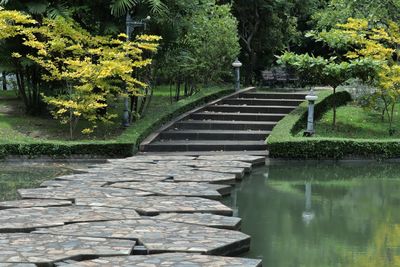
(311, 97)
(308, 215)
(130, 27)
(237, 65)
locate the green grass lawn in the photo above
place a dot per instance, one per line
(17, 127)
(356, 122)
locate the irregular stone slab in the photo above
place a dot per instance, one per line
(154, 205)
(114, 177)
(170, 260)
(209, 163)
(255, 160)
(152, 158)
(193, 176)
(191, 189)
(46, 249)
(72, 193)
(4, 264)
(72, 183)
(29, 203)
(162, 236)
(238, 172)
(205, 219)
(123, 166)
(13, 220)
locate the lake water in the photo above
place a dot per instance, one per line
(322, 214)
(29, 175)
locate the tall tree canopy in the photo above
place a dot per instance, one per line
(267, 27)
(338, 11)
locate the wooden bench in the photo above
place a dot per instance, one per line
(278, 76)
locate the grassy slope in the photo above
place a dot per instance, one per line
(356, 122)
(16, 127)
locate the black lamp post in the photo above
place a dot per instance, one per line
(237, 65)
(130, 27)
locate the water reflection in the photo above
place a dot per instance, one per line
(322, 214)
(308, 215)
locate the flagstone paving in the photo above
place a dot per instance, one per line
(30, 203)
(208, 163)
(25, 219)
(113, 177)
(154, 205)
(162, 236)
(78, 192)
(73, 183)
(103, 210)
(169, 260)
(43, 248)
(5, 264)
(191, 175)
(205, 219)
(190, 189)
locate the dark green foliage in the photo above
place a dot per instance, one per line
(282, 143)
(124, 146)
(266, 27)
(62, 150)
(338, 11)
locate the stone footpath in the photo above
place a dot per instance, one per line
(147, 210)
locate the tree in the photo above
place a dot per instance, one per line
(266, 27)
(338, 11)
(90, 70)
(327, 71)
(199, 46)
(379, 44)
(4, 78)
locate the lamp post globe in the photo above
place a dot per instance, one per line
(237, 65)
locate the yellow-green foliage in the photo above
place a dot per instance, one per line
(375, 42)
(93, 69)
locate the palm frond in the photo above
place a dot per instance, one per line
(4, 2)
(121, 7)
(37, 7)
(60, 10)
(157, 7)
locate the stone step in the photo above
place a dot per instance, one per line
(213, 135)
(223, 125)
(262, 102)
(273, 95)
(237, 116)
(205, 145)
(250, 109)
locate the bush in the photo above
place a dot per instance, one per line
(282, 143)
(124, 146)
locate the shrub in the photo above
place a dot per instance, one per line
(282, 143)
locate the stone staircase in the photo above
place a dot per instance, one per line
(238, 122)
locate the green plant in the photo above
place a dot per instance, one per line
(121, 146)
(93, 69)
(284, 142)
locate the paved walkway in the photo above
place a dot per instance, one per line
(147, 210)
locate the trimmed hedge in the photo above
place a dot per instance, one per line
(118, 147)
(64, 150)
(283, 142)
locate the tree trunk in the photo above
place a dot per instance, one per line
(334, 107)
(4, 81)
(21, 89)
